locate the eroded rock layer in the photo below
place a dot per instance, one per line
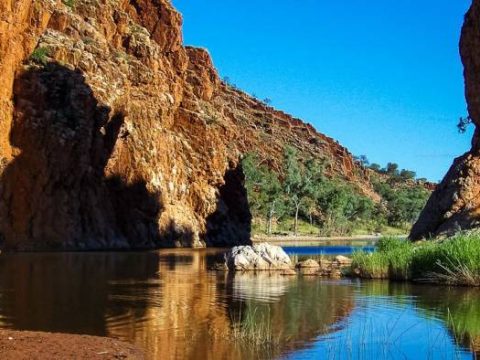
(455, 204)
(115, 135)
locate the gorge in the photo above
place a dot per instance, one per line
(114, 135)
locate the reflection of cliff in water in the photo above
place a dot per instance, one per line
(169, 304)
(166, 302)
(68, 292)
(192, 318)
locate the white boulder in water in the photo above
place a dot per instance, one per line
(257, 257)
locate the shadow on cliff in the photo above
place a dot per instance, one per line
(231, 223)
(55, 195)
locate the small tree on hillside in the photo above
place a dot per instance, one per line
(392, 169)
(362, 159)
(463, 123)
(264, 190)
(407, 174)
(299, 181)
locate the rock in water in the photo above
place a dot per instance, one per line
(308, 267)
(343, 260)
(308, 264)
(257, 257)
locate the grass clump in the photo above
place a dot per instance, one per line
(253, 327)
(69, 3)
(454, 261)
(392, 260)
(370, 266)
(40, 55)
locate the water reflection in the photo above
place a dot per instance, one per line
(263, 287)
(67, 292)
(404, 321)
(170, 304)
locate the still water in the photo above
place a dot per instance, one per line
(171, 305)
(306, 251)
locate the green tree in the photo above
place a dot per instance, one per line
(407, 174)
(403, 203)
(299, 181)
(362, 159)
(264, 190)
(341, 206)
(391, 169)
(406, 205)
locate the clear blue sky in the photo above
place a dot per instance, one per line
(382, 76)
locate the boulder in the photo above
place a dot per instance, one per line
(257, 257)
(288, 272)
(308, 264)
(343, 260)
(308, 267)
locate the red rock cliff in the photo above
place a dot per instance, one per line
(115, 135)
(455, 204)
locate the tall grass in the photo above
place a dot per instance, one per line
(455, 261)
(253, 327)
(392, 260)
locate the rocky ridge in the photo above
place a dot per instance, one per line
(114, 135)
(455, 204)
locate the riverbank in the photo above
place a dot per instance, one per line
(451, 261)
(23, 345)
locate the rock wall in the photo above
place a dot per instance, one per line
(455, 204)
(114, 135)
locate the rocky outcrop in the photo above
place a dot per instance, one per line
(455, 204)
(257, 257)
(114, 135)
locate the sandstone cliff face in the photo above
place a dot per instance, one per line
(115, 135)
(455, 204)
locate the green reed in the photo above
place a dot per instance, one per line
(453, 261)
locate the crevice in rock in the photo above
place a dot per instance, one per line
(231, 223)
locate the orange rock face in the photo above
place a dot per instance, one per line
(455, 204)
(115, 135)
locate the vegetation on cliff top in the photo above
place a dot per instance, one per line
(302, 198)
(454, 261)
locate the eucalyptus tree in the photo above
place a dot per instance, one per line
(300, 181)
(264, 190)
